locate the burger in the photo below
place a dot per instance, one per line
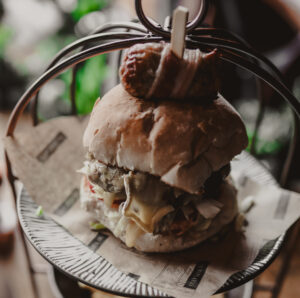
(157, 172)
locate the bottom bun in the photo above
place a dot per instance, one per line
(113, 220)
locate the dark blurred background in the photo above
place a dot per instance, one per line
(33, 31)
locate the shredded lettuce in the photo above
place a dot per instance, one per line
(97, 226)
(39, 211)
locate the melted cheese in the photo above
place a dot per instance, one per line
(145, 206)
(133, 231)
(107, 197)
(120, 226)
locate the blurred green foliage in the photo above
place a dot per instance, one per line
(86, 6)
(50, 46)
(263, 147)
(91, 74)
(5, 35)
(88, 83)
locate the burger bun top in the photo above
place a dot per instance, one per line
(181, 142)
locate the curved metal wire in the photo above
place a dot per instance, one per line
(224, 34)
(67, 63)
(233, 48)
(236, 47)
(216, 32)
(205, 41)
(84, 42)
(157, 29)
(235, 44)
(100, 49)
(127, 26)
(295, 134)
(278, 86)
(292, 150)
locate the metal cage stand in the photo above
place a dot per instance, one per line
(232, 50)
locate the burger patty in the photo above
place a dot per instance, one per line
(155, 206)
(107, 177)
(111, 179)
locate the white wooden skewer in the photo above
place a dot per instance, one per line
(180, 18)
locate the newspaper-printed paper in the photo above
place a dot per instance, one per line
(46, 159)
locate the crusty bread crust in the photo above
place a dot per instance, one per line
(157, 243)
(180, 142)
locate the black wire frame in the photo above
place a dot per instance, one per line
(207, 37)
(232, 51)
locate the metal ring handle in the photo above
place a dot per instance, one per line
(199, 18)
(156, 29)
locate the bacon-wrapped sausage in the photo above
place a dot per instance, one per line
(152, 71)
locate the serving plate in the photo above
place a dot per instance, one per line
(64, 287)
(78, 261)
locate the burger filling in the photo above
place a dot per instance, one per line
(151, 205)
